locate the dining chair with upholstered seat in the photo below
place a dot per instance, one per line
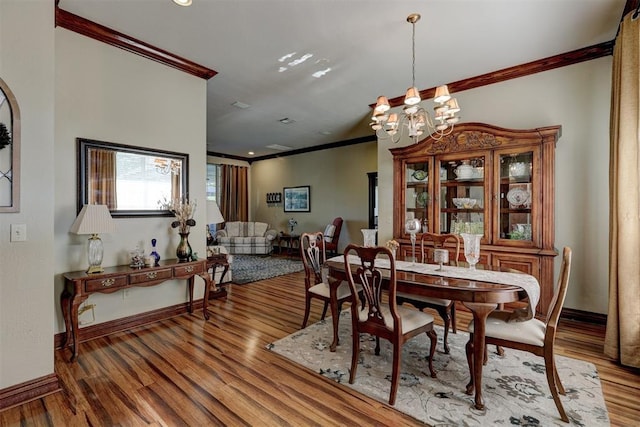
(533, 335)
(446, 308)
(316, 281)
(380, 316)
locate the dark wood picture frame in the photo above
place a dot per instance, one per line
(297, 199)
(84, 176)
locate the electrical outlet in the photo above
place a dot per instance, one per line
(125, 293)
(18, 232)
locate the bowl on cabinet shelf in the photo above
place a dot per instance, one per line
(465, 203)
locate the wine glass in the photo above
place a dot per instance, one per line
(440, 256)
(471, 248)
(412, 227)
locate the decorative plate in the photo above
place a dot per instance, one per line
(518, 196)
(419, 175)
(421, 199)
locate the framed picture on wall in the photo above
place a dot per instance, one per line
(297, 199)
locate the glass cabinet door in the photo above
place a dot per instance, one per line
(462, 194)
(517, 192)
(417, 198)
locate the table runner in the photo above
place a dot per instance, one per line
(525, 281)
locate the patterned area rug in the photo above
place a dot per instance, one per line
(250, 268)
(515, 388)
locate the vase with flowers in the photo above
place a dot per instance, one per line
(183, 211)
(393, 246)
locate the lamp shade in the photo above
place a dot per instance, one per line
(93, 219)
(214, 216)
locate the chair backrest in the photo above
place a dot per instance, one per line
(438, 241)
(313, 256)
(369, 276)
(555, 307)
(337, 223)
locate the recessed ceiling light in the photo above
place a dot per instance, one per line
(324, 132)
(182, 2)
(251, 153)
(286, 121)
(241, 105)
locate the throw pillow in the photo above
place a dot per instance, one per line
(328, 233)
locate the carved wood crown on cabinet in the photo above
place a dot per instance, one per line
(487, 180)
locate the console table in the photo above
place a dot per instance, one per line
(79, 285)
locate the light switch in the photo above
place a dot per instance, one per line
(18, 232)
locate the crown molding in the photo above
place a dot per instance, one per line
(522, 70)
(107, 35)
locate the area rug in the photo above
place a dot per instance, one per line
(515, 389)
(251, 268)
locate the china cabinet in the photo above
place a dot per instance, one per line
(482, 179)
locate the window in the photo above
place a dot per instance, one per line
(214, 172)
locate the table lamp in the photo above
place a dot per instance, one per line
(214, 216)
(94, 219)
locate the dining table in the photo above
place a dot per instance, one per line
(481, 289)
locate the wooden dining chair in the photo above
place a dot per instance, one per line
(315, 280)
(446, 308)
(532, 335)
(372, 315)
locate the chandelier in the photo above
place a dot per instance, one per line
(415, 118)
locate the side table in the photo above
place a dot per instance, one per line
(291, 240)
(213, 290)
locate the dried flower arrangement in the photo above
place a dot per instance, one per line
(392, 245)
(183, 210)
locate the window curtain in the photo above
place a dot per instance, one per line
(102, 178)
(622, 340)
(234, 198)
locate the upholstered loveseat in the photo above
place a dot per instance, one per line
(246, 237)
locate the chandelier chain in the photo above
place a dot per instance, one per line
(413, 55)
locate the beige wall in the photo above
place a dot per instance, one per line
(108, 94)
(26, 268)
(576, 97)
(339, 187)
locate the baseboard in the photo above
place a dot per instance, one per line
(584, 316)
(101, 329)
(28, 391)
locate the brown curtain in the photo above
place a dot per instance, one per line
(622, 340)
(102, 178)
(234, 198)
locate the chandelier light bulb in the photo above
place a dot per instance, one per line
(412, 97)
(382, 104)
(442, 94)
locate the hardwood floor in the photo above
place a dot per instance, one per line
(183, 371)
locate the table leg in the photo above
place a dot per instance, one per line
(75, 304)
(65, 305)
(480, 312)
(335, 316)
(191, 280)
(205, 301)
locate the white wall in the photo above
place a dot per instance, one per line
(576, 97)
(26, 268)
(107, 94)
(339, 187)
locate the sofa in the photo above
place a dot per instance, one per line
(246, 237)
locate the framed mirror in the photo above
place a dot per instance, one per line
(9, 150)
(131, 181)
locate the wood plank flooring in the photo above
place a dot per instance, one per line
(185, 372)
